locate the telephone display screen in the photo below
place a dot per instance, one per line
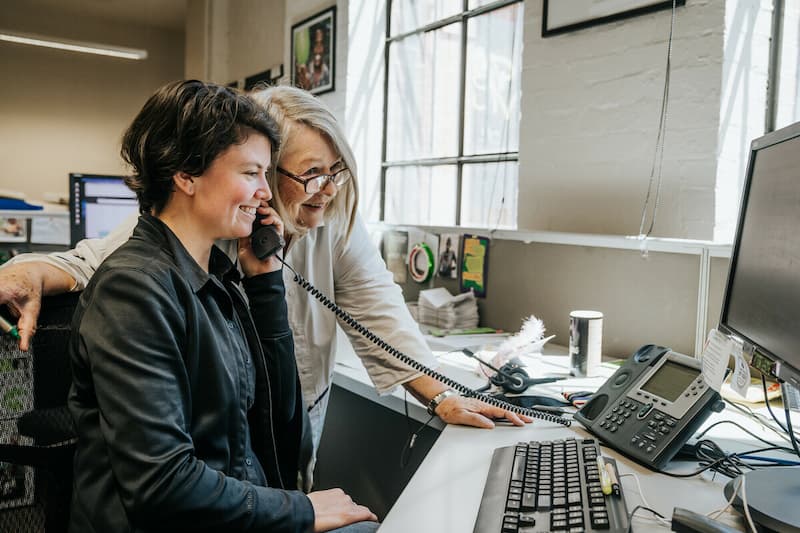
(670, 380)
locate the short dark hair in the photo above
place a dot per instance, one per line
(183, 127)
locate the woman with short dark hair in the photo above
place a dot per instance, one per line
(185, 391)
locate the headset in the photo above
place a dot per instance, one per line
(511, 377)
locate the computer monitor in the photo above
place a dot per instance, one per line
(762, 300)
(97, 205)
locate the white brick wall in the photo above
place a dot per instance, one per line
(591, 102)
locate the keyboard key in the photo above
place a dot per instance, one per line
(550, 486)
(543, 503)
(518, 470)
(527, 519)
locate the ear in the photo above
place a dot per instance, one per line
(184, 183)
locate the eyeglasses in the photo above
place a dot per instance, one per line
(315, 184)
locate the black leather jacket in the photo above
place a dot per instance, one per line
(175, 390)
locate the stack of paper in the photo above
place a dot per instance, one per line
(439, 308)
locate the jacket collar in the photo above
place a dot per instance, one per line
(220, 266)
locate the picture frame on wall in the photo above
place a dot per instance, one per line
(314, 52)
(561, 17)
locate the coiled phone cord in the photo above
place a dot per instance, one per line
(419, 367)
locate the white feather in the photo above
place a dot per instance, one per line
(526, 341)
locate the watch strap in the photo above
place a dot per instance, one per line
(439, 398)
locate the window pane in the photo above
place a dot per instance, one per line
(489, 195)
(788, 87)
(421, 195)
(408, 15)
(478, 3)
(494, 55)
(423, 95)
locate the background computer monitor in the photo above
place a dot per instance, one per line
(97, 205)
(762, 298)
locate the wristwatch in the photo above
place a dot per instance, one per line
(439, 398)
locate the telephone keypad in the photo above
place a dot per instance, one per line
(657, 424)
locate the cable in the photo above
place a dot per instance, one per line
(661, 520)
(702, 433)
(630, 515)
(658, 153)
(416, 365)
(789, 425)
(769, 407)
(408, 447)
(714, 514)
(759, 418)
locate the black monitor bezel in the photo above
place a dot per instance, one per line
(767, 140)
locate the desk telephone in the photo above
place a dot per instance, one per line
(651, 405)
(266, 242)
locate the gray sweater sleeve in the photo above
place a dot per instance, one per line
(82, 261)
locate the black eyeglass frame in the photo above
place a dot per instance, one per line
(323, 179)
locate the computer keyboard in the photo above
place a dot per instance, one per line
(549, 486)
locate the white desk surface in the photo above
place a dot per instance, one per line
(444, 494)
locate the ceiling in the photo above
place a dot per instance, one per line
(166, 14)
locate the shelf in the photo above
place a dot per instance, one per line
(59, 211)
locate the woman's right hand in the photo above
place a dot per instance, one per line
(334, 509)
(21, 288)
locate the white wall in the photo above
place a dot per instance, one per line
(64, 112)
(229, 41)
(590, 111)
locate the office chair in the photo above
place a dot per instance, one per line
(37, 437)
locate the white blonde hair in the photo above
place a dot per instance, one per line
(289, 106)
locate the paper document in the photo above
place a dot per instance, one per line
(715, 358)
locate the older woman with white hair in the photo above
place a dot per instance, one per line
(315, 189)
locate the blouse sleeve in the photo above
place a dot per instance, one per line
(365, 289)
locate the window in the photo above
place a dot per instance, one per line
(784, 99)
(451, 130)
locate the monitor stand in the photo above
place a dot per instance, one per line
(773, 497)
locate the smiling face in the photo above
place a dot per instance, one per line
(229, 191)
(307, 153)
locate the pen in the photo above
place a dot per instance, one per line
(9, 328)
(605, 481)
(613, 476)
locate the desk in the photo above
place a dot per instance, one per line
(445, 492)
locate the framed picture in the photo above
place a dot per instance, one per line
(314, 52)
(561, 17)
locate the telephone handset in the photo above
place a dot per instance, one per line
(465, 391)
(266, 240)
(651, 405)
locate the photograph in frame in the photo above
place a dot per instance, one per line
(314, 52)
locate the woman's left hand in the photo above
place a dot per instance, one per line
(473, 412)
(251, 265)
